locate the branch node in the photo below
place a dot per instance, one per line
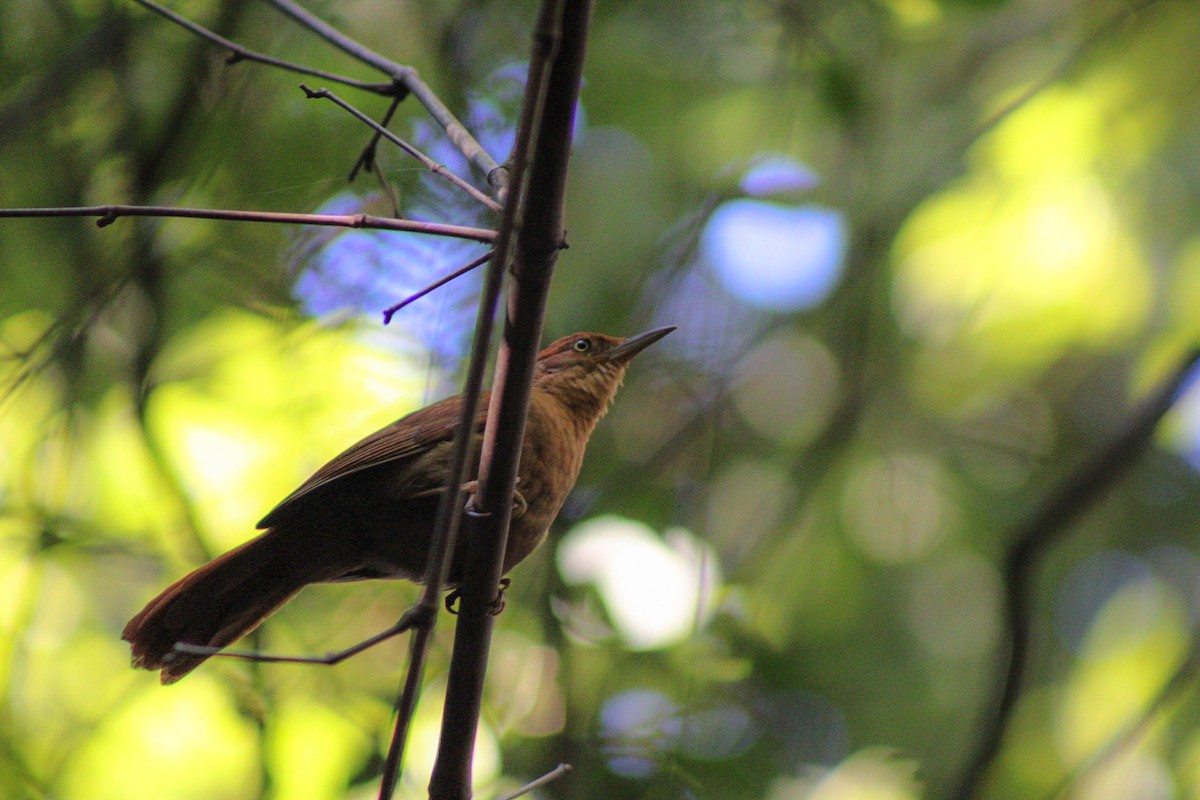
(106, 219)
(399, 90)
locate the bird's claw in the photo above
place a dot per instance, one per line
(519, 505)
(497, 605)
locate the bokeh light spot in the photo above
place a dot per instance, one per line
(786, 388)
(187, 743)
(1131, 649)
(642, 728)
(1029, 254)
(773, 174)
(871, 774)
(1089, 587)
(895, 508)
(969, 585)
(743, 502)
(637, 727)
(656, 589)
(776, 256)
(313, 751)
(1186, 419)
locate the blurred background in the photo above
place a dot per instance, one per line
(924, 256)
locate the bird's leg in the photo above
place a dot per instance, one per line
(494, 609)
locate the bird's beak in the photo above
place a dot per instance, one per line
(629, 348)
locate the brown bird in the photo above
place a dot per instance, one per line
(369, 513)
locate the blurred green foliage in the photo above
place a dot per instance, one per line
(834, 486)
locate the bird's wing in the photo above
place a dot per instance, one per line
(405, 438)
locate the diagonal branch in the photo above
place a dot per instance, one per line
(404, 80)
(390, 312)
(341, 41)
(240, 53)
(366, 159)
(406, 77)
(1033, 540)
(552, 775)
(429, 163)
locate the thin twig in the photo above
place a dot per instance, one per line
(416, 617)
(389, 192)
(107, 214)
(406, 76)
(388, 313)
(552, 775)
(341, 41)
(430, 164)
(366, 159)
(1031, 542)
(240, 53)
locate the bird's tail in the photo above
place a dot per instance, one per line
(213, 606)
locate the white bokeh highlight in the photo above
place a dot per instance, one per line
(657, 590)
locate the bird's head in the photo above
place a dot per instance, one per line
(586, 367)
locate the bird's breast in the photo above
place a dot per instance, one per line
(551, 457)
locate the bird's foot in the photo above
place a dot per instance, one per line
(519, 506)
(497, 605)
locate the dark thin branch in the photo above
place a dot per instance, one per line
(389, 192)
(430, 164)
(108, 214)
(366, 159)
(388, 313)
(240, 53)
(1032, 541)
(544, 139)
(405, 76)
(404, 80)
(450, 509)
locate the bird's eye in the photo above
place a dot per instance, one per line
(582, 345)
